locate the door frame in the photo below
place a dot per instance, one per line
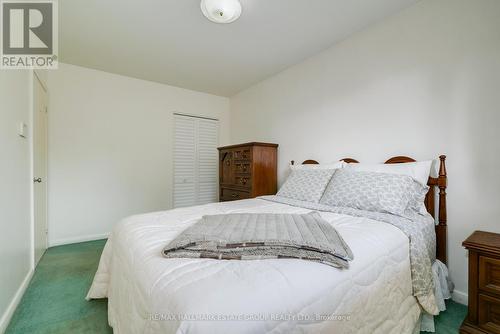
(36, 77)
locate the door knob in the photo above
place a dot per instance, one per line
(38, 180)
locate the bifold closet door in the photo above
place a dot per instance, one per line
(195, 161)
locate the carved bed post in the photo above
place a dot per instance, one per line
(441, 228)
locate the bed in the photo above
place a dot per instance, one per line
(150, 294)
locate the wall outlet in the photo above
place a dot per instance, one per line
(23, 129)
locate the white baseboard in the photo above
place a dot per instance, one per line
(74, 240)
(9, 312)
(460, 297)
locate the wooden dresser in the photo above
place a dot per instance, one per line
(484, 283)
(247, 170)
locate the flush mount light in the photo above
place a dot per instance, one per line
(221, 11)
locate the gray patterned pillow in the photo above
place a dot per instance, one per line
(370, 191)
(418, 202)
(306, 185)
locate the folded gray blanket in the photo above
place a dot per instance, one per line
(252, 236)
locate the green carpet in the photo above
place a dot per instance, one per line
(55, 299)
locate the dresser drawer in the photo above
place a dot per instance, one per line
(489, 275)
(242, 167)
(227, 194)
(243, 181)
(489, 314)
(243, 153)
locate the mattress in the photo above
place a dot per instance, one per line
(148, 293)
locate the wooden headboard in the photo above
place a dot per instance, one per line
(436, 184)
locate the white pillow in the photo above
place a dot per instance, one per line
(336, 165)
(419, 171)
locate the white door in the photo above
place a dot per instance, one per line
(40, 167)
(195, 161)
(207, 157)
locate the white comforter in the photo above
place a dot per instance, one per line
(151, 294)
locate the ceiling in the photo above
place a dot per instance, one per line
(171, 42)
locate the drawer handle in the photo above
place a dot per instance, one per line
(243, 181)
(235, 195)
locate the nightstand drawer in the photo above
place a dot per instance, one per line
(484, 283)
(489, 314)
(489, 275)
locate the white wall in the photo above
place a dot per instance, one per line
(110, 148)
(15, 193)
(422, 83)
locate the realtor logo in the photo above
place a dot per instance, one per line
(29, 34)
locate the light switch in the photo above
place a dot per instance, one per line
(23, 128)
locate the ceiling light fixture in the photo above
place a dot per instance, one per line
(221, 11)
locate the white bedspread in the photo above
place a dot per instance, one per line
(151, 294)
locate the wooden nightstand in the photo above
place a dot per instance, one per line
(484, 283)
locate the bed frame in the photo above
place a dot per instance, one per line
(435, 184)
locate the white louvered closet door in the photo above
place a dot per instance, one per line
(207, 161)
(195, 161)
